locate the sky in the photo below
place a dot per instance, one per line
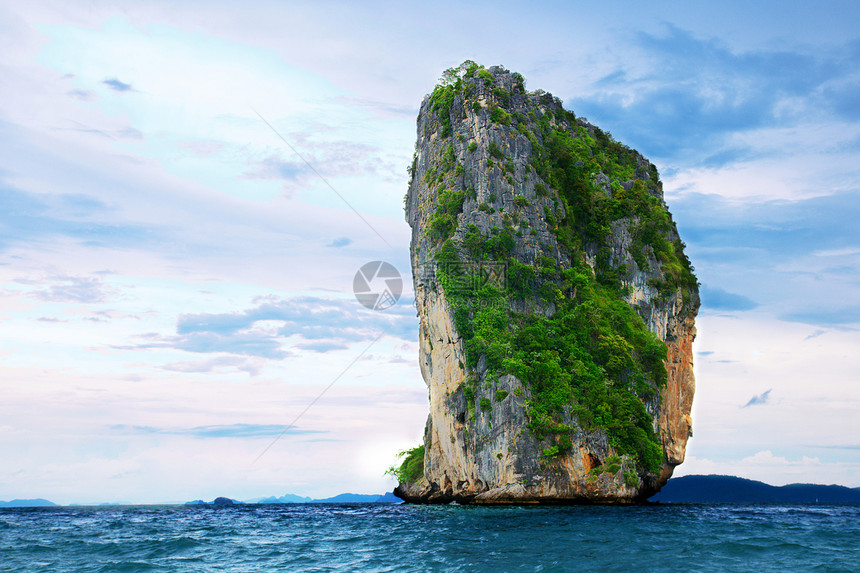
(187, 191)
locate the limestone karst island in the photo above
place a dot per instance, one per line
(556, 304)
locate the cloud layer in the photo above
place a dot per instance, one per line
(177, 282)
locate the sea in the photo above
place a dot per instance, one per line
(393, 537)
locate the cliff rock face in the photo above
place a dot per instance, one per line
(556, 304)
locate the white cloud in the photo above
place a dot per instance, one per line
(812, 404)
(143, 465)
(761, 180)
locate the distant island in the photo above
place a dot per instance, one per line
(729, 489)
(219, 501)
(292, 498)
(216, 501)
(38, 502)
(340, 498)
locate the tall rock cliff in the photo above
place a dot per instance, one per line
(556, 304)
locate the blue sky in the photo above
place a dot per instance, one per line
(177, 282)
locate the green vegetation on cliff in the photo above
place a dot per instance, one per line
(567, 155)
(411, 469)
(568, 161)
(593, 358)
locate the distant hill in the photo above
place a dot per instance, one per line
(730, 489)
(39, 502)
(216, 501)
(287, 498)
(340, 498)
(349, 498)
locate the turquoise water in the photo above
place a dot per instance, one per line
(382, 537)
